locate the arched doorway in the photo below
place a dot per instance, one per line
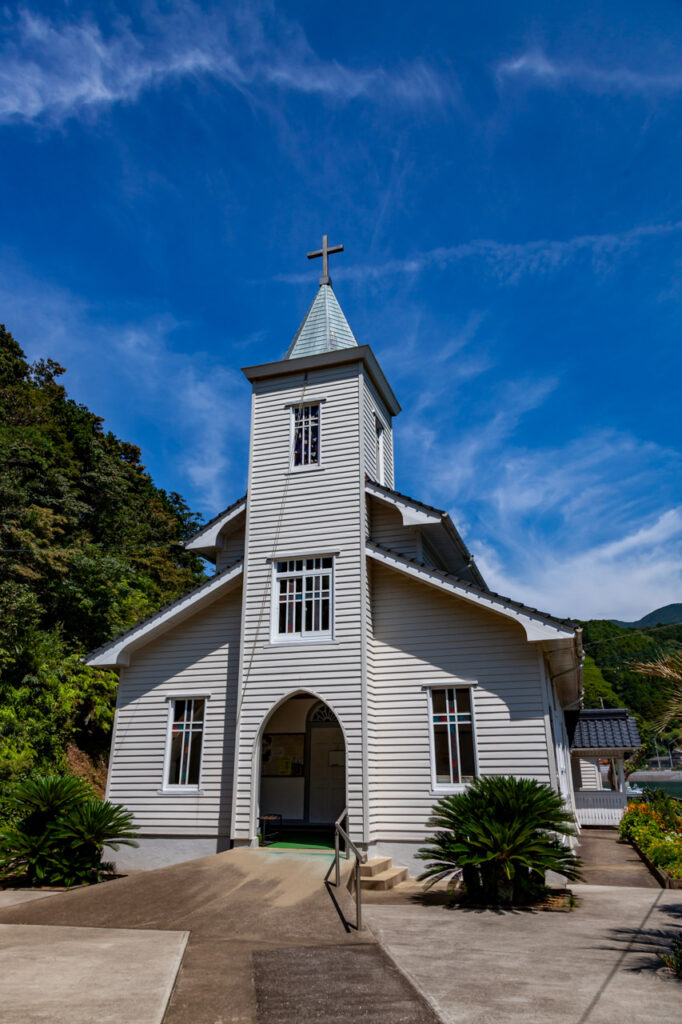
(303, 764)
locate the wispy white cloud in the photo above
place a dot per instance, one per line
(623, 579)
(137, 376)
(589, 527)
(536, 67)
(509, 261)
(547, 519)
(52, 69)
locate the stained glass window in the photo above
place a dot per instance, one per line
(306, 435)
(187, 730)
(303, 588)
(452, 727)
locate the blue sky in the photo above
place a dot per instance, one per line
(506, 181)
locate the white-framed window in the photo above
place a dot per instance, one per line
(453, 737)
(305, 435)
(184, 743)
(303, 592)
(380, 434)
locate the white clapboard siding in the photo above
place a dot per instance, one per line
(232, 549)
(299, 513)
(373, 408)
(586, 774)
(199, 657)
(387, 529)
(420, 636)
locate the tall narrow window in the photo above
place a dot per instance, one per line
(452, 736)
(380, 453)
(303, 593)
(306, 435)
(185, 741)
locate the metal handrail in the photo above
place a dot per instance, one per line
(360, 858)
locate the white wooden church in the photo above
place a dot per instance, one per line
(347, 651)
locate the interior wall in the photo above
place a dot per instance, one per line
(286, 796)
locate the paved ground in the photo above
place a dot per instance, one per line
(240, 908)
(12, 897)
(596, 964)
(80, 975)
(607, 861)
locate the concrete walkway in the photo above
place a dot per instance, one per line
(52, 975)
(266, 943)
(607, 861)
(594, 965)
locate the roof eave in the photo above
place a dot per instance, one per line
(537, 627)
(413, 512)
(205, 541)
(118, 651)
(339, 357)
(604, 751)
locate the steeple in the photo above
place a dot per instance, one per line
(324, 327)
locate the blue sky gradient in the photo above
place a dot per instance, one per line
(506, 181)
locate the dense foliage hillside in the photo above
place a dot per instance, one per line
(612, 651)
(88, 545)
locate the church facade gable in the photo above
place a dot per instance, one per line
(359, 659)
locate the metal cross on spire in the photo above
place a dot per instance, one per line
(325, 252)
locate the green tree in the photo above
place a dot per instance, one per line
(88, 546)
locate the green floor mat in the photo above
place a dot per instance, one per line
(301, 844)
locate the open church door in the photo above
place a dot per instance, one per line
(326, 767)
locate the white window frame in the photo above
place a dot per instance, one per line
(305, 467)
(182, 787)
(380, 451)
(320, 636)
(470, 685)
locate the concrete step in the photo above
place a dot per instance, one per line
(374, 866)
(384, 879)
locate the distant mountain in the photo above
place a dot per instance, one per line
(670, 613)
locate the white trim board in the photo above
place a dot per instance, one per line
(118, 651)
(207, 538)
(413, 512)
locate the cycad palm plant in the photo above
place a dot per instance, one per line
(59, 831)
(83, 833)
(502, 835)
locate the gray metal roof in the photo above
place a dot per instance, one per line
(602, 729)
(324, 328)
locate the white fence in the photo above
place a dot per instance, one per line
(601, 807)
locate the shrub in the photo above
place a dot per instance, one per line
(502, 835)
(658, 834)
(59, 830)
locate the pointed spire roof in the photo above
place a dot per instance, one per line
(324, 327)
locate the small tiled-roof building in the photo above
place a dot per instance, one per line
(600, 739)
